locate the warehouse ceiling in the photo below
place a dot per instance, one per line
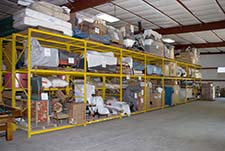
(176, 17)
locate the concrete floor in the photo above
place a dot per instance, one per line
(198, 126)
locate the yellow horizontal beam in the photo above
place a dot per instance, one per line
(103, 119)
(54, 129)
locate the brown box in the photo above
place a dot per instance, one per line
(166, 71)
(173, 69)
(96, 28)
(153, 99)
(156, 100)
(77, 113)
(73, 19)
(175, 96)
(140, 103)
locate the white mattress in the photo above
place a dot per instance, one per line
(50, 9)
(96, 59)
(27, 12)
(25, 22)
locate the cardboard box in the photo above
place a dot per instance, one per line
(173, 69)
(77, 113)
(175, 97)
(73, 19)
(166, 71)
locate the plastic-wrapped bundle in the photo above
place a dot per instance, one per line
(41, 56)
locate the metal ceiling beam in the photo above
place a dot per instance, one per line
(148, 3)
(78, 5)
(139, 16)
(184, 6)
(192, 28)
(201, 45)
(218, 3)
(211, 53)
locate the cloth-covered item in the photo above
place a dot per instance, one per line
(99, 105)
(79, 92)
(51, 9)
(130, 97)
(95, 58)
(118, 107)
(41, 56)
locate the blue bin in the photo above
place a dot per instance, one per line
(168, 95)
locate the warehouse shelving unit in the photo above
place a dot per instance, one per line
(79, 46)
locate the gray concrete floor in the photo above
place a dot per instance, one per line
(197, 126)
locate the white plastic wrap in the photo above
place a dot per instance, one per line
(96, 59)
(79, 92)
(30, 18)
(41, 56)
(46, 83)
(100, 107)
(150, 32)
(51, 9)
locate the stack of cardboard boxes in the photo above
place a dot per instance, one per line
(208, 91)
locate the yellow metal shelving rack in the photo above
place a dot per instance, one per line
(53, 40)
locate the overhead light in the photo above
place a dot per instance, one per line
(107, 17)
(221, 70)
(168, 40)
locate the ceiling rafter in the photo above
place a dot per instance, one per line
(217, 35)
(201, 45)
(136, 15)
(218, 3)
(184, 6)
(192, 28)
(148, 3)
(78, 5)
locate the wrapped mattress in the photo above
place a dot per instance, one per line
(154, 47)
(51, 9)
(41, 56)
(28, 17)
(95, 59)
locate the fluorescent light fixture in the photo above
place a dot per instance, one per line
(221, 70)
(168, 40)
(107, 17)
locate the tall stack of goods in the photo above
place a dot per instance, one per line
(208, 91)
(45, 15)
(189, 55)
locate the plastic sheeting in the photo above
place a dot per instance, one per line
(79, 92)
(41, 56)
(95, 58)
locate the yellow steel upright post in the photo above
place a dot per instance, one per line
(145, 81)
(85, 76)
(29, 81)
(13, 70)
(104, 88)
(1, 82)
(67, 76)
(163, 85)
(121, 77)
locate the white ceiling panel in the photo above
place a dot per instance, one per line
(203, 50)
(220, 33)
(208, 36)
(211, 49)
(221, 48)
(173, 9)
(222, 3)
(191, 38)
(178, 40)
(141, 8)
(206, 10)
